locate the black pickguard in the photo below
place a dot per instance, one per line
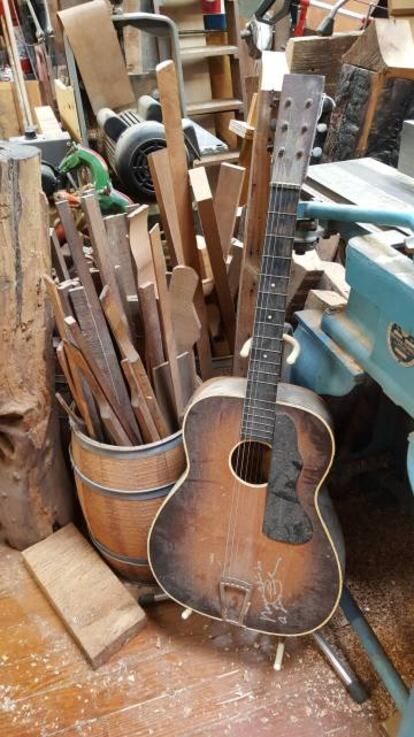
(284, 519)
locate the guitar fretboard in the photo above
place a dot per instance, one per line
(265, 363)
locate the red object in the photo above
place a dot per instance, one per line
(211, 7)
(300, 26)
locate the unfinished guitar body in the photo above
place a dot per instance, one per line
(261, 552)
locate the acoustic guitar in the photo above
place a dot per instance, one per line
(246, 535)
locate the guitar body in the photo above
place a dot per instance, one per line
(265, 556)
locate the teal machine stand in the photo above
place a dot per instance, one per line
(372, 334)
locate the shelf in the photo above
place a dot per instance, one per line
(203, 52)
(214, 106)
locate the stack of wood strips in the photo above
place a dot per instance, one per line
(130, 330)
(123, 361)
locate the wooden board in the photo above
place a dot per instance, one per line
(255, 223)
(35, 489)
(154, 353)
(65, 98)
(98, 55)
(166, 318)
(47, 121)
(182, 288)
(162, 177)
(205, 205)
(387, 45)
(11, 123)
(168, 89)
(140, 245)
(319, 55)
(226, 201)
(99, 612)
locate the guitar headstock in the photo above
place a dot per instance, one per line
(299, 110)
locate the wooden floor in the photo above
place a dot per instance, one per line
(201, 677)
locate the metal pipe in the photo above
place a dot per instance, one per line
(352, 684)
(356, 214)
(376, 653)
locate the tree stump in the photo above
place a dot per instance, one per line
(35, 493)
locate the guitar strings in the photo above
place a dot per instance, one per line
(256, 343)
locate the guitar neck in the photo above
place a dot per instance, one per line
(265, 364)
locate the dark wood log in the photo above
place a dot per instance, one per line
(35, 494)
(367, 121)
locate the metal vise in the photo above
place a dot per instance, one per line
(373, 333)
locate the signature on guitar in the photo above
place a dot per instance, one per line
(271, 591)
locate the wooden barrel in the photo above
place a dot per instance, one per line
(120, 490)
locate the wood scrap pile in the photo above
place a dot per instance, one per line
(128, 326)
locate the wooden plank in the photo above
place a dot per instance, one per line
(386, 46)
(94, 326)
(164, 389)
(110, 421)
(320, 55)
(80, 394)
(99, 352)
(166, 318)
(118, 327)
(47, 121)
(66, 103)
(154, 352)
(226, 201)
(169, 97)
(58, 259)
(160, 167)
(98, 55)
(140, 245)
(120, 252)
(99, 612)
(256, 215)
(100, 243)
(60, 310)
(148, 427)
(234, 266)
(182, 288)
(205, 205)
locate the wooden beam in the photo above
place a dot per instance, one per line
(162, 177)
(205, 205)
(118, 327)
(154, 352)
(183, 285)
(170, 101)
(99, 612)
(166, 318)
(93, 324)
(227, 200)
(35, 492)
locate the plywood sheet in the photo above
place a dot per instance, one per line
(96, 608)
(98, 55)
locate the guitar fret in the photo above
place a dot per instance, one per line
(255, 400)
(257, 422)
(265, 363)
(253, 435)
(276, 256)
(273, 293)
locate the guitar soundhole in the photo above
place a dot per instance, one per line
(250, 461)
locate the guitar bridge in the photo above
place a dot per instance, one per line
(234, 599)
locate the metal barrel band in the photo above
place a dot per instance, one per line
(121, 494)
